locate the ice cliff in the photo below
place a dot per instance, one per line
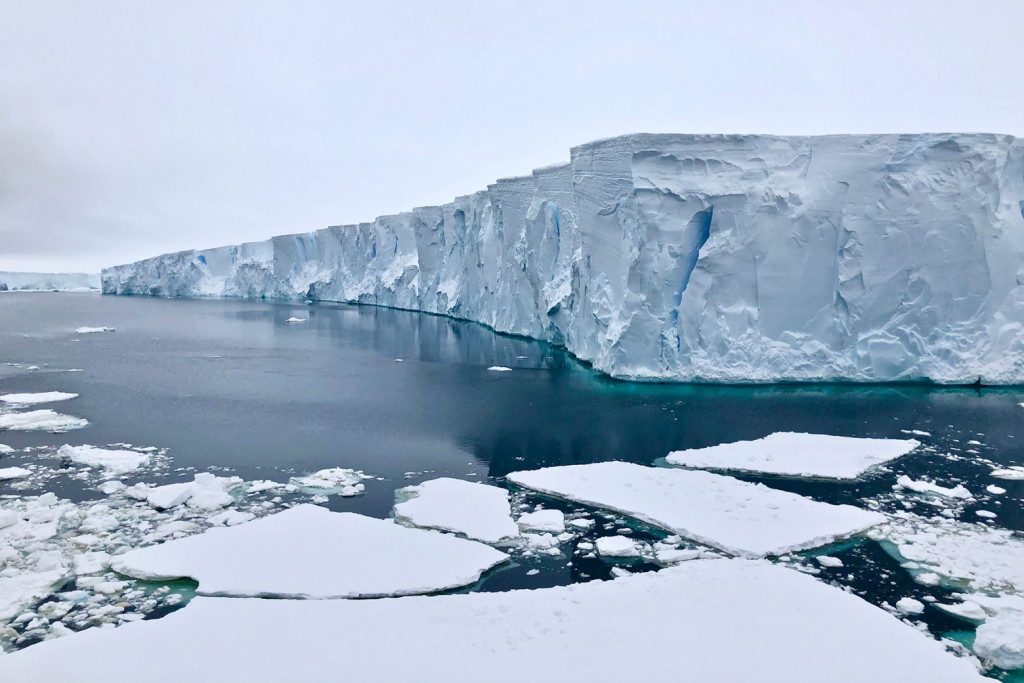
(49, 282)
(720, 258)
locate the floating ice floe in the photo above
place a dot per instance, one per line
(93, 330)
(795, 454)
(734, 516)
(930, 488)
(975, 556)
(13, 473)
(616, 546)
(113, 462)
(205, 492)
(910, 606)
(336, 480)
(1000, 640)
(42, 397)
(477, 511)
(499, 368)
(310, 552)
(40, 420)
(295, 320)
(5, 449)
(552, 521)
(1012, 473)
(787, 626)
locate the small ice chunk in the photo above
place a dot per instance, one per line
(307, 552)
(93, 330)
(499, 368)
(995, 490)
(581, 523)
(986, 514)
(616, 546)
(669, 556)
(338, 480)
(31, 399)
(927, 487)
(796, 454)
(41, 421)
(1000, 640)
(5, 449)
(477, 511)
(13, 473)
(910, 606)
(829, 561)
(295, 320)
(552, 521)
(113, 462)
(205, 492)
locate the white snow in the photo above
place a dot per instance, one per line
(13, 473)
(335, 480)
(41, 420)
(42, 397)
(93, 330)
(616, 546)
(796, 454)
(552, 521)
(1000, 640)
(499, 368)
(736, 517)
(477, 511)
(928, 487)
(716, 621)
(905, 268)
(310, 552)
(113, 462)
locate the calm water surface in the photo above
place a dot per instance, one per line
(230, 384)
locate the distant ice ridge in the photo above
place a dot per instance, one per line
(49, 282)
(719, 258)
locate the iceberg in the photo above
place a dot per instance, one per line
(49, 282)
(714, 258)
(694, 619)
(310, 552)
(736, 517)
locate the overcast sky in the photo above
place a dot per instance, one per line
(132, 128)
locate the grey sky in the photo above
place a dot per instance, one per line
(129, 128)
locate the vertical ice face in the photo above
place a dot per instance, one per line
(741, 258)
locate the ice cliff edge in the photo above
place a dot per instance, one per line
(718, 258)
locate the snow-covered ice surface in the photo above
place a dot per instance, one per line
(310, 552)
(797, 455)
(734, 516)
(476, 511)
(672, 257)
(41, 397)
(49, 282)
(113, 461)
(41, 420)
(787, 626)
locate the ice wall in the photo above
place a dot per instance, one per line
(49, 282)
(720, 258)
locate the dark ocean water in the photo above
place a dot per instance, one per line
(230, 384)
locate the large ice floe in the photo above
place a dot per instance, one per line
(41, 397)
(311, 552)
(713, 620)
(476, 511)
(797, 455)
(734, 516)
(742, 258)
(41, 421)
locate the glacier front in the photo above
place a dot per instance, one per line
(715, 258)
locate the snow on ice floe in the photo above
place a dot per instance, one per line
(113, 462)
(93, 330)
(41, 420)
(543, 520)
(42, 397)
(476, 511)
(788, 627)
(310, 552)
(335, 480)
(1000, 640)
(795, 454)
(295, 320)
(734, 516)
(13, 473)
(499, 368)
(5, 449)
(1012, 473)
(205, 492)
(931, 488)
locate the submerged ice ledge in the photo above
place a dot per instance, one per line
(718, 258)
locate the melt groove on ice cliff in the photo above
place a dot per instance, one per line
(718, 258)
